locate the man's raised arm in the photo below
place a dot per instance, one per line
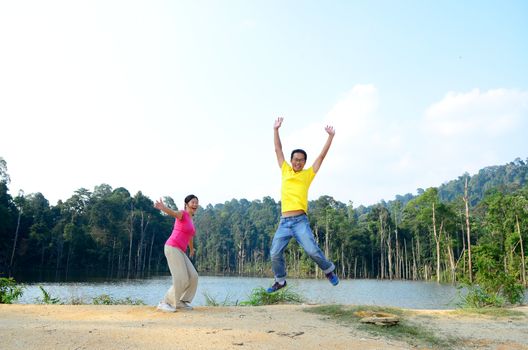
(277, 141)
(319, 160)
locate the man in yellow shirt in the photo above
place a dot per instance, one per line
(294, 198)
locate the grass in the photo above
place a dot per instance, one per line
(10, 291)
(259, 296)
(105, 299)
(496, 312)
(212, 301)
(405, 330)
(47, 298)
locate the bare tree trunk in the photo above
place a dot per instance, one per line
(382, 250)
(398, 266)
(397, 243)
(139, 250)
(414, 254)
(419, 265)
(523, 264)
(372, 258)
(437, 241)
(120, 262)
(16, 240)
(60, 247)
(463, 252)
(468, 231)
(241, 255)
(343, 272)
(113, 257)
(317, 240)
(130, 238)
(389, 253)
(68, 258)
(42, 256)
(327, 234)
(405, 260)
(451, 258)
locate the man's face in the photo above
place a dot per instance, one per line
(298, 162)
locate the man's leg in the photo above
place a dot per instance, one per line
(278, 245)
(304, 235)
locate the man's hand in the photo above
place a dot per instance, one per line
(278, 123)
(330, 130)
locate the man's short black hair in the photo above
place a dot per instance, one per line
(299, 151)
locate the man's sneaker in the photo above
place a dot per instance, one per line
(275, 287)
(184, 305)
(332, 277)
(162, 306)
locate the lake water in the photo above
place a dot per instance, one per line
(405, 294)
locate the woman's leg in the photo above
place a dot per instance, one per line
(178, 269)
(192, 275)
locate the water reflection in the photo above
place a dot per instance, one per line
(407, 294)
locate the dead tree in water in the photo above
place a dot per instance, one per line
(468, 231)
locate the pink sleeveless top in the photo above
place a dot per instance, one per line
(182, 232)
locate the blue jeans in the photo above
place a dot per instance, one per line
(299, 227)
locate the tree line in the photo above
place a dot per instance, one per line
(464, 230)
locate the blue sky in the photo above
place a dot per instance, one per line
(178, 97)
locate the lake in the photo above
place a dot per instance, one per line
(405, 294)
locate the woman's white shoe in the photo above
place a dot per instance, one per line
(165, 307)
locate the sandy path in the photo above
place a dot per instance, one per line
(270, 327)
(142, 327)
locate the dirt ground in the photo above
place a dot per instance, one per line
(268, 327)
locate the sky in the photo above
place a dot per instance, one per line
(178, 97)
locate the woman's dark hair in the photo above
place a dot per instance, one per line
(189, 198)
(299, 151)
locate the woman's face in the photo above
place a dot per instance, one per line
(192, 206)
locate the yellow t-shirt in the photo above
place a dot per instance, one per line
(295, 185)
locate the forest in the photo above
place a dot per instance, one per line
(474, 227)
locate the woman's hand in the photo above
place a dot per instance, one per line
(159, 204)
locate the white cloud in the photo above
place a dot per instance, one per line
(467, 131)
(374, 157)
(494, 112)
(359, 151)
(353, 115)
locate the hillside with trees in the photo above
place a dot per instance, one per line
(467, 229)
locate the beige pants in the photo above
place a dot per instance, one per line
(184, 277)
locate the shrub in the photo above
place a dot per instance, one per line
(9, 290)
(211, 301)
(259, 296)
(494, 286)
(47, 298)
(105, 299)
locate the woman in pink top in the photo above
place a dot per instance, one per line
(184, 275)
